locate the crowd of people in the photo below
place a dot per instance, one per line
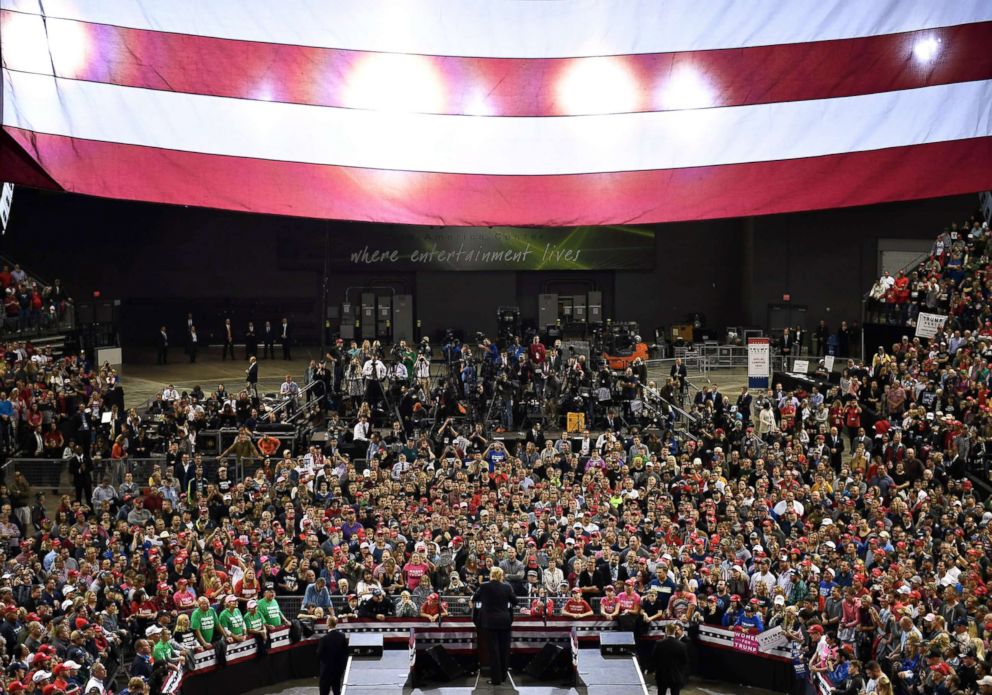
(49, 404)
(841, 513)
(29, 305)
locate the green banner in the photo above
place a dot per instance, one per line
(496, 248)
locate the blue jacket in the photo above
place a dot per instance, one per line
(749, 621)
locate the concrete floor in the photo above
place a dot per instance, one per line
(143, 379)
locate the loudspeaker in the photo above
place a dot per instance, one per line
(365, 644)
(595, 310)
(439, 664)
(368, 315)
(547, 310)
(84, 314)
(403, 318)
(612, 643)
(553, 661)
(104, 311)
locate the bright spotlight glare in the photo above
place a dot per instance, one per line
(264, 92)
(597, 86)
(478, 105)
(926, 50)
(70, 45)
(29, 46)
(685, 89)
(25, 46)
(395, 82)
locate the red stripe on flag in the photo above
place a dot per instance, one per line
(306, 190)
(521, 87)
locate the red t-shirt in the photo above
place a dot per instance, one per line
(184, 599)
(607, 604)
(542, 609)
(577, 606)
(414, 573)
(245, 591)
(628, 601)
(434, 607)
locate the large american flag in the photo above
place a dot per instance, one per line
(486, 112)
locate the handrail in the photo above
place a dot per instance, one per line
(6, 260)
(287, 399)
(685, 414)
(907, 269)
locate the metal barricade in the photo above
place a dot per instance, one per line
(292, 605)
(40, 473)
(458, 606)
(53, 474)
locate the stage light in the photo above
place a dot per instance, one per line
(396, 83)
(597, 86)
(685, 88)
(926, 49)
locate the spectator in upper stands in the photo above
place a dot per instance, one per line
(316, 595)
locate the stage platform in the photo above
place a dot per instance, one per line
(598, 675)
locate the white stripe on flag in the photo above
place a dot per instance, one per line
(522, 28)
(474, 145)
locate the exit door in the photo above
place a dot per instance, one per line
(785, 316)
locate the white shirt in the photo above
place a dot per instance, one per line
(399, 371)
(170, 395)
(361, 431)
(399, 468)
(374, 368)
(94, 684)
(422, 368)
(584, 446)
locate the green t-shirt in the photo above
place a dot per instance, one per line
(270, 611)
(163, 651)
(255, 620)
(232, 621)
(205, 622)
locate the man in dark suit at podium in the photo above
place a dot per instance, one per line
(497, 600)
(332, 655)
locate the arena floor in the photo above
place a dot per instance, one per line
(309, 687)
(144, 379)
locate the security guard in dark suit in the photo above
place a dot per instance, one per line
(332, 654)
(495, 616)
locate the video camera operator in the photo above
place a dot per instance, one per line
(422, 369)
(505, 391)
(452, 351)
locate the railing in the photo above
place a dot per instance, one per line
(41, 324)
(458, 606)
(703, 359)
(53, 473)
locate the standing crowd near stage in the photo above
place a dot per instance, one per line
(842, 512)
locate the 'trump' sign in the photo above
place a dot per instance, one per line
(928, 325)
